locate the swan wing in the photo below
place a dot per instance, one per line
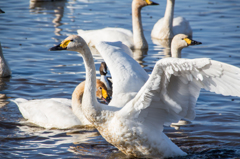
(173, 87)
(93, 37)
(48, 113)
(127, 75)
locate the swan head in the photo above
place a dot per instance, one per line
(179, 42)
(101, 92)
(71, 43)
(182, 41)
(103, 69)
(143, 3)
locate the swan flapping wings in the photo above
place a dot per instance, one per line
(173, 87)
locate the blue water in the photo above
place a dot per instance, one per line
(29, 29)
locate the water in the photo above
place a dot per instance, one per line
(29, 29)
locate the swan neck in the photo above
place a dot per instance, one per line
(104, 79)
(168, 16)
(77, 96)
(138, 36)
(89, 100)
(175, 51)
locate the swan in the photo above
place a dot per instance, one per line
(167, 27)
(169, 94)
(135, 40)
(4, 69)
(61, 113)
(104, 79)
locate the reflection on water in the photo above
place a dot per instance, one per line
(41, 7)
(3, 86)
(164, 46)
(139, 55)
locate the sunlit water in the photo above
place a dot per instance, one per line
(29, 29)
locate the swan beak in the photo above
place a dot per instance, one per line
(62, 46)
(57, 48)
(105, 95)
(1, 11)
(191, 42)
(149, 2)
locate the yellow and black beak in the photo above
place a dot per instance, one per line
(62, 46)
(105, 95)
(149, 2)
(191, 42)
(57, 48)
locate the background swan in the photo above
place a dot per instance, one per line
(103, 72)
(59, 113)
(167, 27)
(169, 94)
(4, 69)
(135, 40)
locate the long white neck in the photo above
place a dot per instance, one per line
(176, 50)
(168, 19)
(138, 37)
(90, 106)
(104, 79)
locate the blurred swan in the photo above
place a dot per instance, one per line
(107, 81)
(169, 94)
(59, 113)
(4, 69)
(167, 27)
(135, 40)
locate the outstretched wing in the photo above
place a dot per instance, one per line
(127, 75)
(173, 87)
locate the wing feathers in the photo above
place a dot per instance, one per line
(173, 87)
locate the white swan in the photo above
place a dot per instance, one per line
(104, 78)
(4, 68)
(135, 40)
(59, 113)
(167, 27)
(169, 94)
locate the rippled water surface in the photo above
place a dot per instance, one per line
(29, 29)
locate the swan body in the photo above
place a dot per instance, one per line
(4, 68)
(169, 94)
(135, 40)
(167, 27)
(59, 113)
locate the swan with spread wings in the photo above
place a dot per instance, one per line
(135, 126)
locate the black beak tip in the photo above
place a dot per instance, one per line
(57, 48)
(108, 99)
(154, 3)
